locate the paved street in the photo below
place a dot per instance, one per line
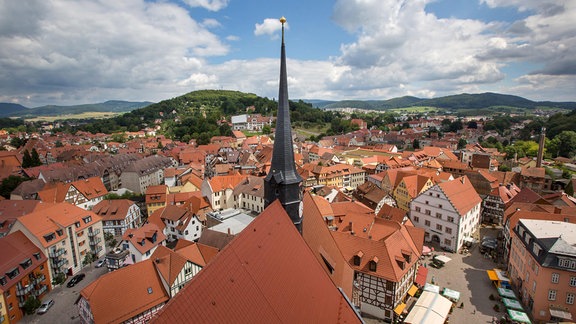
(467, 274)
(64, 310)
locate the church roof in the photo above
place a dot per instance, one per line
(267, 274)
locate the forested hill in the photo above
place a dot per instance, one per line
(116, 106)
(454, 102)
(198, 114)
(8, 109)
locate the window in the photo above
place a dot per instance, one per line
(416, 219)
(448, 242)
(573, 281)
(551, 294)
(426, 202)
(439, 227)
(556, 277)
(448, 230)
(440, 206)
(534, 286)
(3, 280)
(427, 212)
(438, 215)
(13, 273)
(427, 222)
(570, 299)
(451, 219)
(418, 209)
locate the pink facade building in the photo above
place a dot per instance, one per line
(542, 268)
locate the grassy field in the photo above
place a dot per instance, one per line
(86, 115)
(414, 110)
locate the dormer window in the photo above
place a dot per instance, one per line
(77, 224)
(3, 280)
(358, 258)
(13, 273)
(373, 264)
(60, 232)
(37, 255)
(143, 242)
(49, 237)
(26, 263)
(87, 219)
(401, 262)
(407, 255)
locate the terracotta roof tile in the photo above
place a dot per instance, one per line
(461, 194)
(259, 278)
(120, 295)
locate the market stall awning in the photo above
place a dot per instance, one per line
(451, 294)
(421, 276)
(518, 316)
(492, 275)
(558, 313)
(412, 291)
(431, 288)
(443, 258)
(512, 303)
(508, 293)
(398, 310)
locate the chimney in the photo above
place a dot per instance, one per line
(157, 261)
(229, 231)
(541, 148)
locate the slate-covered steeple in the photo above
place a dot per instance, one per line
(282, 181)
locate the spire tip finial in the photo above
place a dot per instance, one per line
(283, 20)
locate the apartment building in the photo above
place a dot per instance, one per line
(542, 268)
(67, 234)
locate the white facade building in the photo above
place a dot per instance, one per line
(449, 212)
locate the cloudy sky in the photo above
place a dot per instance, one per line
(86, 51)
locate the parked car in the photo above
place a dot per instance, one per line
(100, 263)
(76, 279)
(45, 306)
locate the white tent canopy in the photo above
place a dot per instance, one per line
(442, 258)
(431, 308)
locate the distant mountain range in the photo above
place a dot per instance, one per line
(460, 102)
(454, 102)
(117, 106)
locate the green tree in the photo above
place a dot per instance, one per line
(35, 157)
(266, 129)
(9, 184)
(26, 159)
(416, 144)
(31, 305)
(462, 143)
(58, 143)
(89, 258)
(567, 143)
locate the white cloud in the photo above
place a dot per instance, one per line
(270, 26)
(211, 23)
(212, 5)
(89, 50)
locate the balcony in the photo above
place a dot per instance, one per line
(22, 291)
(39, 279)
(95, 241)
(97, 249)
(94, 233)
(40, 291)
(57, 252)
(58, 263)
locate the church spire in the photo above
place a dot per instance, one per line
(282, 181)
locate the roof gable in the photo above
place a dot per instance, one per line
(259, 278)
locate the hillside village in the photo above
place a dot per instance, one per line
(274, 228)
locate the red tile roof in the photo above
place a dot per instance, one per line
(120, 295)
(266, 275)
(16, 249)
(461, 194)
